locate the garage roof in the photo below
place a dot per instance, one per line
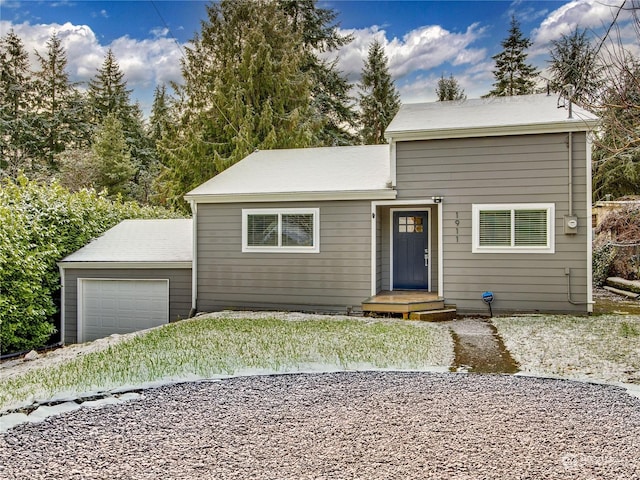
(300, 172)
(139, 241)
(514, 115)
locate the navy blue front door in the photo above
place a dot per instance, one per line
(410, 250)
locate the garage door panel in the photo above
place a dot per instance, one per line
(122, 306)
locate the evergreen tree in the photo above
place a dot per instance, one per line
(56, 103)
(331, 100)
(160, 114)
(243, 89)
(512, 74)
(112, 164)
(108, 95)
(379, 99)
(574, 62)
(18, 135)
(108, 92)
(449, 89)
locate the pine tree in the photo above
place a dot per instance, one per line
(243, 89)
(56, 101)
(331, 100)
(160, 111)
(379, 98)
(108, 95)
(512, 74)
(449, 89)
(108, 92)
(574, 62)
(112, 164)
(18, 136)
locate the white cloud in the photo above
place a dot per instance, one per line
(421, 49)
(102, 13)
(144, 62)
(589, 14)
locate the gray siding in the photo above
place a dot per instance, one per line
(332, 280)
(510, 169)
(179, 291)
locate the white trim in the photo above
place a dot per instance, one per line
(475, 222)
(381, 194)
(440, 250)
(590, 301)
(315, 248)
(194, 268)
(393, 150)
(391, 232)
(80, 297)
(124, 265)
(374, 241)
(563, 126)
(62, 302)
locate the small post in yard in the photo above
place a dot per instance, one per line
(487, 297)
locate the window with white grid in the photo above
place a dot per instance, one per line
(292, 230)
(513, 228)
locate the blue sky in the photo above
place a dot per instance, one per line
(423, 39)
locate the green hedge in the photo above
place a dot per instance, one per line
(40, 225)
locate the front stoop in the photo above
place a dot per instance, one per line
(415, 305)
(442, 315)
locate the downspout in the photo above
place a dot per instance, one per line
(194, 259)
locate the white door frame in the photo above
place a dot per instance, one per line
(80, 296)
(391, 232)
(417, 203)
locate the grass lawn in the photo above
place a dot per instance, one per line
(603, 348)
(210, 346)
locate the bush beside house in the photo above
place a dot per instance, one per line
(40, 225)
(616, 251)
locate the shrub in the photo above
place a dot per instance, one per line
(41, 224)
(603, 256)
(617, 246)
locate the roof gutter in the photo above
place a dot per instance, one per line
(381, 194)
(564, 126)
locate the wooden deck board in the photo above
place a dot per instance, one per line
(403, 301)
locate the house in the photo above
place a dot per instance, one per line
(488, 195)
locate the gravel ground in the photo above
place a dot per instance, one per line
(341, 425)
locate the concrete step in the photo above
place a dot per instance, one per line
(439, 315)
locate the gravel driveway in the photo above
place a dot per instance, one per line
(341, 425)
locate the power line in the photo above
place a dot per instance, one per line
(184, 58)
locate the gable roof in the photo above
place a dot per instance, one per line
(303, 174)
(140, 242)
(490, 116)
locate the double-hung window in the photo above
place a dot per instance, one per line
(513, 228)
(290, 230)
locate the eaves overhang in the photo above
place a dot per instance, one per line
(382, 194)
(564, 126)
(123, 265)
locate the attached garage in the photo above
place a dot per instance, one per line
(136, 276)
(108, 306)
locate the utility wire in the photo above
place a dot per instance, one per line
(184, 58)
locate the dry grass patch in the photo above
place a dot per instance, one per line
(602, 348)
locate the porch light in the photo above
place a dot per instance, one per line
(437, 199)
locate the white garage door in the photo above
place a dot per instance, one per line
(120, 306)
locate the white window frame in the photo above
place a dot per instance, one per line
(548, 248)
(315, 248)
